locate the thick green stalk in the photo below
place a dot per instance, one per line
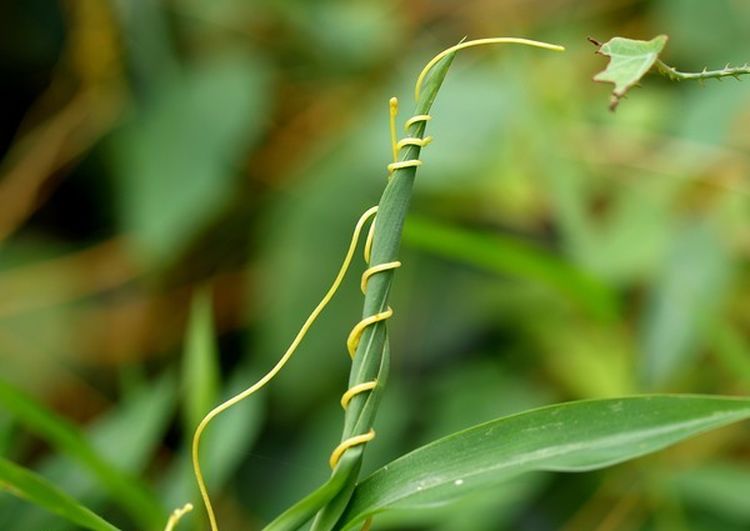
(372, 357)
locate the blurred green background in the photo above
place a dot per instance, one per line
(154, 150)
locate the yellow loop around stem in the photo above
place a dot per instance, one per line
(355, 390)
(349, 443)
(370, 271)
(352, 342)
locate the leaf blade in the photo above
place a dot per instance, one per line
(576, 436)
(506, 255)
(127, 491)
(34, 488)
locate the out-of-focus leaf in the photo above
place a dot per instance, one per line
(629, 61)
(733, 351)
(470, 392)
(127, 437)
(592, 362)
(510, 256)
(686, 295)
(571, 437)
(200, 377)
(6, 432)
(721, 488)
(34, 488)
(226, 442)
(176, 162)
(129, 493)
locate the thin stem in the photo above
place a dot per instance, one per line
(675, 75)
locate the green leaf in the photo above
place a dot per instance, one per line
(62, 435)
(719, 487)
(200, 377)
(34, 488)
(685, 298)
(507, 255)
(126, 436)
(572, 437)
(176, 161)
(225, 444)
(629, 61)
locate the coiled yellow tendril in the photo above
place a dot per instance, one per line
(356, 333)
(370, 213)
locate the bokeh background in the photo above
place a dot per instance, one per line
(176, 161)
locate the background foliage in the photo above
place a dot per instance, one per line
(556, 250)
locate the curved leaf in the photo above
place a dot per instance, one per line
(570, 437)
(34, 488)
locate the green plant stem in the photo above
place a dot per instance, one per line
(372, 356)
(675, 75)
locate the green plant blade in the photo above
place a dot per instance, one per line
(507, 255)
(629, 61)
(200, 373)
(127, 436)
(576, 436)
(34, 488)
(62, 435)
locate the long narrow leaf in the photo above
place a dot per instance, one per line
(570, 437)
(37, 490)
(200, 372)
(140, 504)
(507, 255)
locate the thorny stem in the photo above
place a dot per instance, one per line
(673, 74)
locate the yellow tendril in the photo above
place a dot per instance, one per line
(355, 390)
(276, 368)
(348, 443)
(479, 42)
(177, 515)
(356, 333)
(393, 107)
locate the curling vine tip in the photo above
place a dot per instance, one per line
(479, 42)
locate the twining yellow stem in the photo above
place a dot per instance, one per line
(276, 368)
(479, 42)
(356, 333)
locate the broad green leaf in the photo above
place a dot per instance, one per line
(200, 378)
(62, 435)
(37, 490)
(629, 61)
(572, 437)
(506, 255)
